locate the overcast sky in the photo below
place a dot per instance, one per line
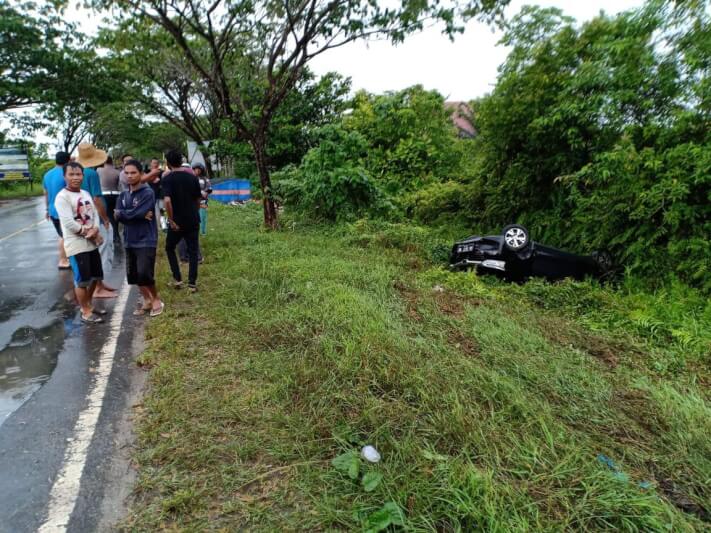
(460, 70)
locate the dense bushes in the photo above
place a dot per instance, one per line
(410, 137)
(388, 157)
(332, 182)
(598, 137)
(595, 136)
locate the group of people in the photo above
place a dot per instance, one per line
(87, 198)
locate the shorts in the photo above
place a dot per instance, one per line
(57, 226)
(140, 266)
(87, 268)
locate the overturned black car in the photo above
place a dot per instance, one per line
(514, 256)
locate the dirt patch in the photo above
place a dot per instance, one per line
(411, 298)
(450, 304)
(447, 303)
(638, 407)
(564, 333)
(453, 305)
(414, 263)
(462, 343)
(681, 500)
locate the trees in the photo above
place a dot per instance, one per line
(23, 64)
(312, 103)
(411, 137)
(148, 57)
(596, 135)
(32, 53)
(397, 154)
(88, 87)
(249, 55)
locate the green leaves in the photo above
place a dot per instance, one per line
(371, 480)
(591, 140)
(334, 184)
(32, 63)
(388, 515)
(348, 463)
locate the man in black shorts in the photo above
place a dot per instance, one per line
(80, 227)
(135, 208)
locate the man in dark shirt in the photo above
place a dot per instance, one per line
(181, 197)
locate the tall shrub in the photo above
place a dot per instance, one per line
(597, 136)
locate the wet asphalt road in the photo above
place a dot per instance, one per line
(48, 362)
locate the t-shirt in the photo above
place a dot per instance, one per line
(109, 178)
(53, 182)
(91, 182)
(205, 189)
(183, 189)
(123, 181)
(76, 211)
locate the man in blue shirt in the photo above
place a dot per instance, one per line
(91, 157)
(53, 182)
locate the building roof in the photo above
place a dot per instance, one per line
(462, 117)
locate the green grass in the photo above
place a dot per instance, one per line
(489, 403)
(19, 190)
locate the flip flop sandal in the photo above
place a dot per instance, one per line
(91, 319)
(99, 311)
(141, 311)
(68, 267)
(156, 312)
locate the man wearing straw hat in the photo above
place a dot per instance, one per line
(90, 158)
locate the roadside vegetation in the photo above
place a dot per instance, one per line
(495, 407)
(595, 137)
(19, 190)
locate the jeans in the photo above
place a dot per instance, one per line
(203, 220)
(183, 252)
(191, 240)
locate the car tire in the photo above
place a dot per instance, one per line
(516, 237)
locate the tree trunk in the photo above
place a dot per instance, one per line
(206, 157)
(260, 156)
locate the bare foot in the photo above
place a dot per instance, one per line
(105, 287)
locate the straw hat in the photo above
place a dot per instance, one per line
(90, 155)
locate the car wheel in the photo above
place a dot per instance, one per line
(515, 237)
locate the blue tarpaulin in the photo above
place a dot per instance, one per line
(231, 190)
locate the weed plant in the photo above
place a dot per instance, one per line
(19, 190)
(494, 407)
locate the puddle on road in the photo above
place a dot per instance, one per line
(27, 362)
(10, 306)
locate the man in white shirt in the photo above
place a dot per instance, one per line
(80, 227)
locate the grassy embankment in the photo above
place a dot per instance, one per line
(19, 190)
(490, 403)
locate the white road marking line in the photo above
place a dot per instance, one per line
(63, 497)
(6, 237)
